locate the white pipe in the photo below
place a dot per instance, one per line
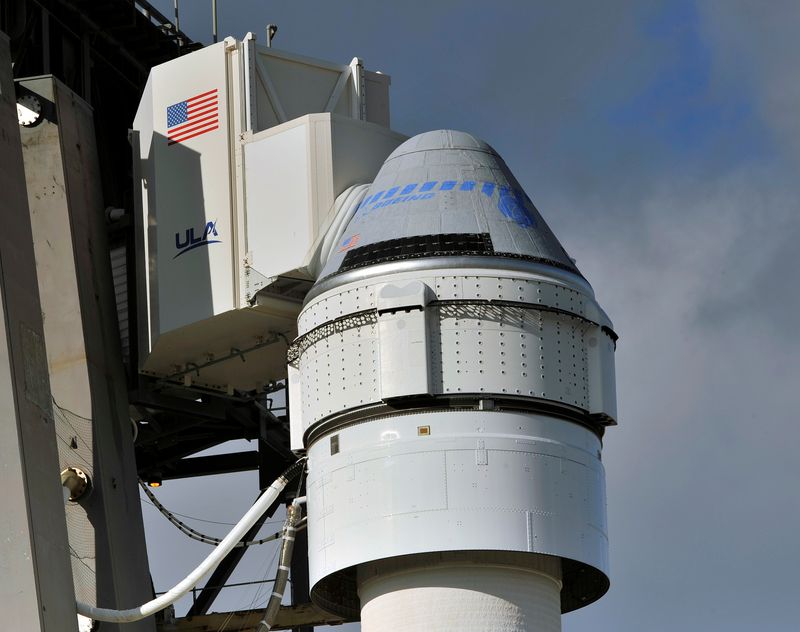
(206, 566)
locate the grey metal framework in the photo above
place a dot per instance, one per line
(103, 52)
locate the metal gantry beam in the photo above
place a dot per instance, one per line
(214, 464)
(36, 586)
(289, 617)
(176, 425)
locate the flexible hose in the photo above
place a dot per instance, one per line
(263, 503)
(293, 513)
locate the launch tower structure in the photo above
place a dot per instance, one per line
(449, 374)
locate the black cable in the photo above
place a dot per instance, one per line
(288, 474)
(192, 533)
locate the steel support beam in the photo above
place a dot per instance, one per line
(212, 410)
(289, 617)
(87, 377)
(36, 590)
(214, 464)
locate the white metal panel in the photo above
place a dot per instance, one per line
(190, 211)
(278, 176)
(377, 97)
(399, 483)
(603, 392)
(285, 86)
(542, 476)
(450, 284)
(403, 340)
(210, 352)
(338, 373)
(510, 350)
(295, 85)
(358, 149)
(293, 381)
(294, 173)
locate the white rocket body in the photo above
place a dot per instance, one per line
(451, 381)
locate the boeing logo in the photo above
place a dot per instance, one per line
(512, 203)
(190, 241)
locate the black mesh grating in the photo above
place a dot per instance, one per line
(446, 245)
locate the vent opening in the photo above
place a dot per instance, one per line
(443, 245)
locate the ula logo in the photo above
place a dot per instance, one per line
(190, 242)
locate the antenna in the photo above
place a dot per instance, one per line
(214, 20)
(272, 29)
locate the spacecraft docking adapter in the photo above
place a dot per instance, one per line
(451, 382)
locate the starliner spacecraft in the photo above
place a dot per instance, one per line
(454, 375)
(450, 372)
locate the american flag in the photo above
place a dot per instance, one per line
(192, 117)
(350, 242)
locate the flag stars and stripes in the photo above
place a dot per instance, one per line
(349, 242)
(195, 116)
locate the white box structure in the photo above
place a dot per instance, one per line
(240, 153)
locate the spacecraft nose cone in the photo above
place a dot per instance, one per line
(445, 193)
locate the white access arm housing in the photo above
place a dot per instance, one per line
(240, 155)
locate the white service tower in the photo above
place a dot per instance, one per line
(450, 372)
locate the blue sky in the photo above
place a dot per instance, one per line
(660, 140)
